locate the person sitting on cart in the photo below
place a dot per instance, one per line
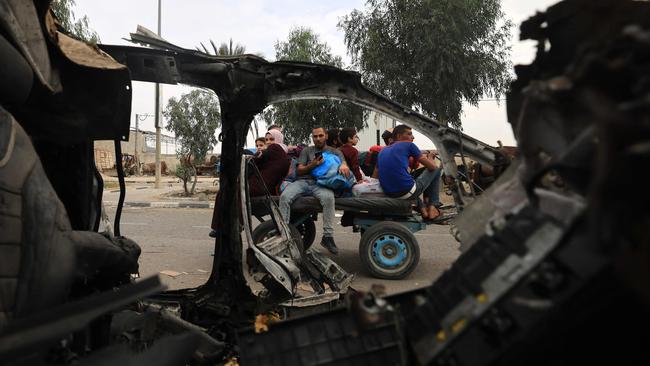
(260, 144)
(305, 185)
(368, 159)
(272, 162)
(349, 139)
(333, 138)
(397, 182)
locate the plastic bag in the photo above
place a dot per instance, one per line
(368, 188)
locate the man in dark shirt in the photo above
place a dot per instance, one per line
(349, 139)
(310, 158)
(397, 182)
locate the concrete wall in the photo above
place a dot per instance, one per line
(105, 151)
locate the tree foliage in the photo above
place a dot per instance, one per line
(298, 118)
(224, 49)
(77, 28)
(227, 49)
(194, 119)
(431, 54)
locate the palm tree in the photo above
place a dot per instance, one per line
(225, 49)
(228, 49)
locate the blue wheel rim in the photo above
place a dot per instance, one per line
(389, 251)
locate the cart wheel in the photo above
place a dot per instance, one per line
(267, 229)
(389, 250)
(307, 230)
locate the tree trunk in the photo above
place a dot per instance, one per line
(195, 179)
(187, 193)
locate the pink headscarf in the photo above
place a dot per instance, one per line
(279, 139)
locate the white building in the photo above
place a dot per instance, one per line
(371, 135)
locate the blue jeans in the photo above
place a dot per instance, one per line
(428, 183)
(303, 187)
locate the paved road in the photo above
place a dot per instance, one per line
(177, 240)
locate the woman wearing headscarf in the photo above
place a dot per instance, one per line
(276, 137)
(273, 164)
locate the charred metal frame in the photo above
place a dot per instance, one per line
(246, 85)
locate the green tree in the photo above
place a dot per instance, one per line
(194, 119)
(431, 54)
(298, 118)
(77, 28)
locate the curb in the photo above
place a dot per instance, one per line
(161, 204)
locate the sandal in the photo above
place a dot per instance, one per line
(437, 220)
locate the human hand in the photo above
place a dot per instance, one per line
(343, 169)
(317, 161)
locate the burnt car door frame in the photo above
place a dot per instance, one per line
(245, 85)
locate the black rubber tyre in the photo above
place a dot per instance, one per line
(307, 230)
(267, 228)
(388, 250)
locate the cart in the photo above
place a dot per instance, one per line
(387, 247)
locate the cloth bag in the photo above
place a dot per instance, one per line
(327, 174)
(328, 168)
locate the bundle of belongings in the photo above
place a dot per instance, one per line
(370, 187)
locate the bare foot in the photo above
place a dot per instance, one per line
(424, 212)
(433, 212)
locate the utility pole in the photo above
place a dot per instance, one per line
(138, 118)
(157, 185)
(135, 153)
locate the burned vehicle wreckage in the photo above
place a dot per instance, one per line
(555, 265)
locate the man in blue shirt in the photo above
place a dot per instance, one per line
(397, 182)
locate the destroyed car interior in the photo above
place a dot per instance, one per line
(555, 255)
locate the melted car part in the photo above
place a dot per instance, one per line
(363, 333)
(282, 261)
(33, 333)
(63, 122)
(16, 76)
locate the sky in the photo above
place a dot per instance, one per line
(259, 24)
